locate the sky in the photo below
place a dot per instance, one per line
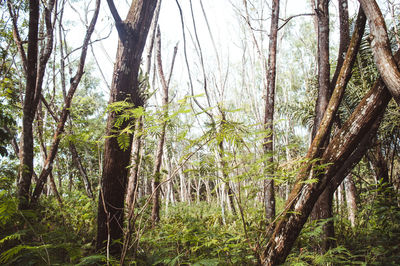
(224, 24)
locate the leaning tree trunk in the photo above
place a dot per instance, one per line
(343, 152)
(380, 44)
(269, 193)
(303, 198)
(125, 86)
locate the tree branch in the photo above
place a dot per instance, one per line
(119, 24)
(286, 21)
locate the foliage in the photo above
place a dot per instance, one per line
(195, 235)
(50, 235)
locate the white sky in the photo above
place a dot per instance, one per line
(223, 20)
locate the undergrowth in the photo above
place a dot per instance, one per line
(189, 235)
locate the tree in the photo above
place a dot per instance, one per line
(342, 153)
(132, 33)
(269, 194)
(34, 71)
(323, 207)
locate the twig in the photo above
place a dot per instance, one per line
(286, 21)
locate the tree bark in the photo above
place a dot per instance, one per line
(155, 213)
(269, 193)
(345, 150)
(125, 86)
(26, 150)
(351, 196)
(323, 207)
(380, 44)
(322, 13)
(296, 211)
(379, 164)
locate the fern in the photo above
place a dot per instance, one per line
(123, 141)
(15, 236)
(7, 255)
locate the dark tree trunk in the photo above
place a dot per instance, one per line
(26, 149)
(379, 164)
(323, 208)
(269, 193)
(125, 86)
(322, 13)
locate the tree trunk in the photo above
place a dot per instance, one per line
(322, 13)
(125, 86)
(48, 165)
(303, 197)
(380, 44)
(135, 162)
(345, 149)
(351, 195)
(323, 208)
(269, 193)
(26, 150)
(155, 213)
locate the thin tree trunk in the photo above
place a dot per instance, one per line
(322, 13)
(351, 196)
(323, 208)
(269, 192)
(48, 165)
(155, 214)
(77, 161)
(303, 197)
(135, 162)
(29, 110)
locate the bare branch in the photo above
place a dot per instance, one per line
(17, 37)
(286, 21)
